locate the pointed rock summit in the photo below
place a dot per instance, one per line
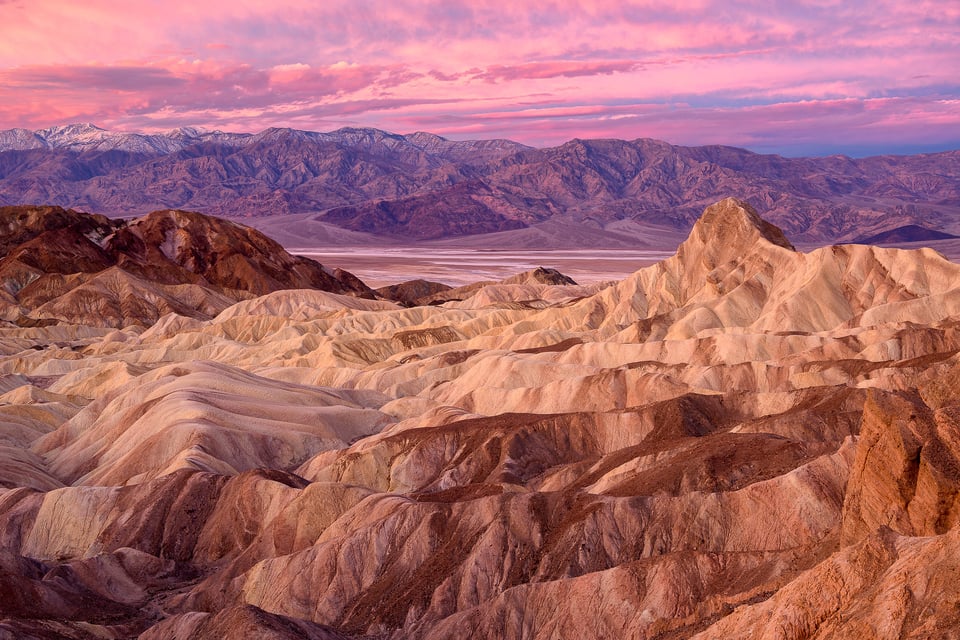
(736, 270)
(731, 218)
(729, 245)
(730, 230)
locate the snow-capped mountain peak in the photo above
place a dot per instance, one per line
(82, 137)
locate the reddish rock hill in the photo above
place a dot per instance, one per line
(64, 265)
(410, 292)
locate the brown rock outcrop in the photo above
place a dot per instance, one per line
(71, 267)
(907, 473)
(410, 292)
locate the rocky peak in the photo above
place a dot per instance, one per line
(730, 230)
(21, 139)
(74, 129)
(735, 220)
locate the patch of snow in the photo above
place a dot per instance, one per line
(88, 137)
(21, 140)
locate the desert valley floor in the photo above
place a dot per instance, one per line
(742, 440)
(380, 267)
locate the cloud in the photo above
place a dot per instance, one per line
(852, 126)
(113, 78)
(185, 85)
(556, 69)
(685, 71)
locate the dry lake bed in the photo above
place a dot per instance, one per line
(382, 266)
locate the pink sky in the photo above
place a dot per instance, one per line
(795, 78)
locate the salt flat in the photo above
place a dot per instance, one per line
(456, 266)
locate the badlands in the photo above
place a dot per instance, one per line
(741, 441)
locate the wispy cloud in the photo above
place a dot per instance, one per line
(555, 69)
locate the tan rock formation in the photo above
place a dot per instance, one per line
(743, 441)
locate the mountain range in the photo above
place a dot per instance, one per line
(422, 187)
(742, 441)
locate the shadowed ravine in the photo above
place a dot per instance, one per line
(742, 441)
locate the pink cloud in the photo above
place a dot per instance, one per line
(556, 69)
(796, 128)
(700, 70)
(110, 92)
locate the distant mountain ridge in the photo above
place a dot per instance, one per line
(89, 137)
(423, 186)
